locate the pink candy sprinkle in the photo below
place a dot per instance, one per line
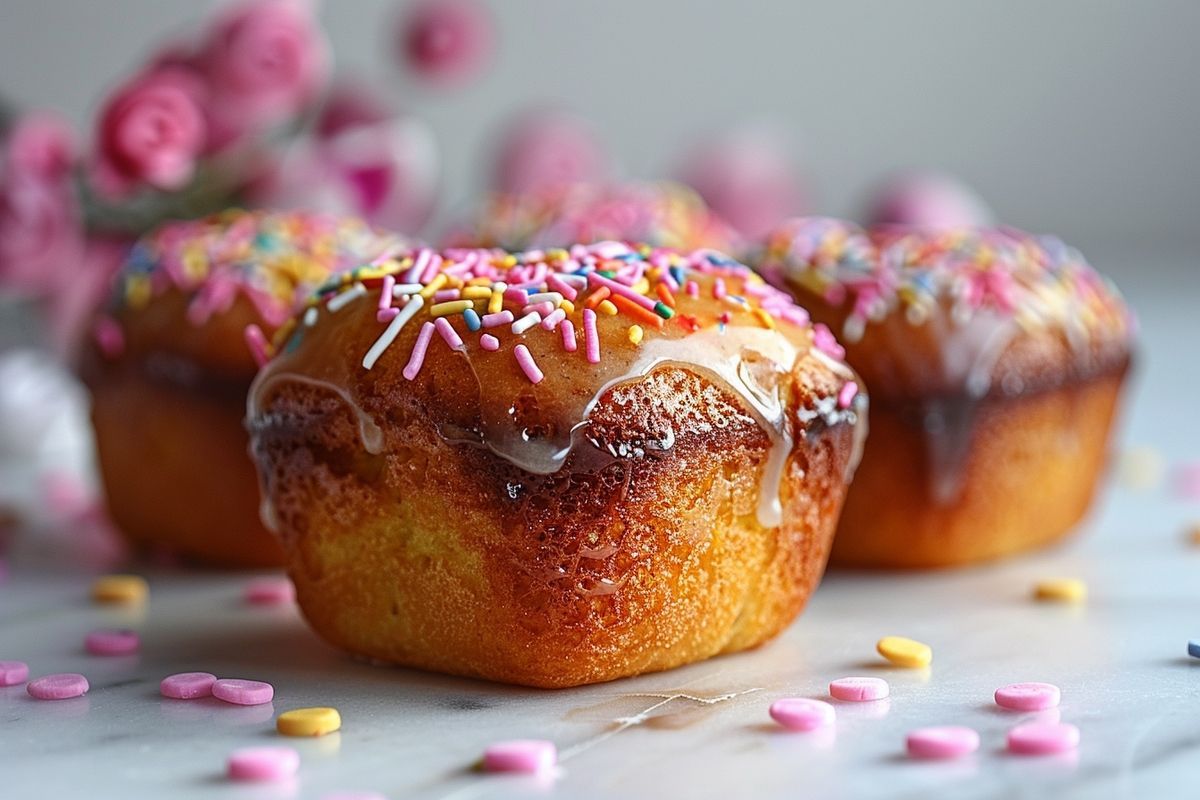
(13, 672)
(802, 713)
(385, 293)
(112, 643)
(271, 591)
(263, 763)
(257, 343)
(528, 365)
(243, 693)
(417, 358)
(947, 741)
(591, 340)
(825, 341)
(568, 335)
(504, 317)
(1028, 696)
(520, 755)
(386, 314)
(448, 334)
(109, 337)
(187, 685)
(858, 690)
(489, 342)
(847, 394)
(58, 687)
(1043, 738)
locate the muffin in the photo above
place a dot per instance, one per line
(169, 369)
(556, 467)
(995, 361)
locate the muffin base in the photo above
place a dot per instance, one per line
(1026, 475)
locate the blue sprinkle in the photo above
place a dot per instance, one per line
(1194, 648)
(678, 274)
(473, 323)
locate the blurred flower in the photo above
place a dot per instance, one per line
(41, 144)
(362, 160)
(748, 178)
(265, 61)
(545, 151)
(150, 133)
(927, 200)
(446, 41)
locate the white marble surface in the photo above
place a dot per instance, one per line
(698, 732)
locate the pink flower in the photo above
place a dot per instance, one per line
(265, 61)
(928, 200)
(40, 234)
(151, 132)
(548, 150)
(41, 144)
(446, 41)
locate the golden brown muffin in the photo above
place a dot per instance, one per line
(170, 369)
(542, 512)
(995, 360)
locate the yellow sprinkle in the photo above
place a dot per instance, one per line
(474, 292)
(438, 282)
(904, 652)
(449, 307)
(764, 318)
(567, 306)
(606, 307)
(480, 282)
(195, 263)
(454, 282)
(1060, 590)
(124, 589)
(642, 286)
(635, 334)
(137, 291)
(308, 721)
(508, 261)
(496, 304)
(557, 254)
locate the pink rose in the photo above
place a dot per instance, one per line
(548, 150)
(446, 41)
(40, 233)
(265, 61)
(151, 132)
(41, 144)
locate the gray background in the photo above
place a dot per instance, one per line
(1076, 117)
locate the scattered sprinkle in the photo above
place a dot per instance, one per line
(1060, 590)
(802, 713)
(308, 721)
(112, 643)
(243, 692)
(187, 685)
(1028, 696)
(635, 334)
(392, 331)
(858, 689)
(13, 673)
(905, 652)
(1043, 738)
(448, 334)
(489, 342)
(528, 365)
(947, 741)
(120, 589)
(58, 687)
(417, 358)
(270, 591)
(520, 755)
(263, 764)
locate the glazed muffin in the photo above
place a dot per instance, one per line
(554, 468)
(660, 214)
(170, 367)
(995, 361)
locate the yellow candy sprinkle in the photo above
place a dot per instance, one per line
(496, 304)
(764, 318)
(606, 307)
(476, 292)
(125, 589)
(438, 282)
(308, 721)
(137, 291)
(904, 652)
(635, 334)
(1061, 590)
(449, 307)
(567, 306)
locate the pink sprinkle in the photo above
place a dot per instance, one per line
(263, 763)
(431, 269)
(112, 643)
(385, 294)
(1028, 696)
(847, 394)
(802, 713)
(187, 685)
(109, 337)
(568, 335)
(386, 315)
(489, 342)
(824, 340)
(619, 288)
(516, 296)
(719, 288)
(693, 289)
(442, 295)
(948, 741)
(272, 591)
(858, 690)
(557, 284)
(520, 755)
(556, 316)
(528, 365)
(420, 261)
(13, 672)
(543, 309)
(418, 352)
(504, 317)
(243, 693)
(58, 687)
(449, 335)
(591, 340)
(257, 344)
(1043, 738)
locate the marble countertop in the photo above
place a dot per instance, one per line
(697, 732)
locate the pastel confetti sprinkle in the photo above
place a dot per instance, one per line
(520, 755)
(1043, 738)
(1028, 696)
(243, 692)
(949, 741)
(120, 589)
(308, 721)
(112, 643)
(13, 673)
(1060, 590)
(905, 652)
(858, 689)
(58, 687)
(263, 764)
(802, 713)
(187, 685)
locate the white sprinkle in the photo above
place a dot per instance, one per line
(405, 289)
(345, 298)
(541, 297)
(310, 317)
(526, 322)
(393, 330)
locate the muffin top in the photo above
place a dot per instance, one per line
(511, 351)
(661, 214)
(967, 310)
